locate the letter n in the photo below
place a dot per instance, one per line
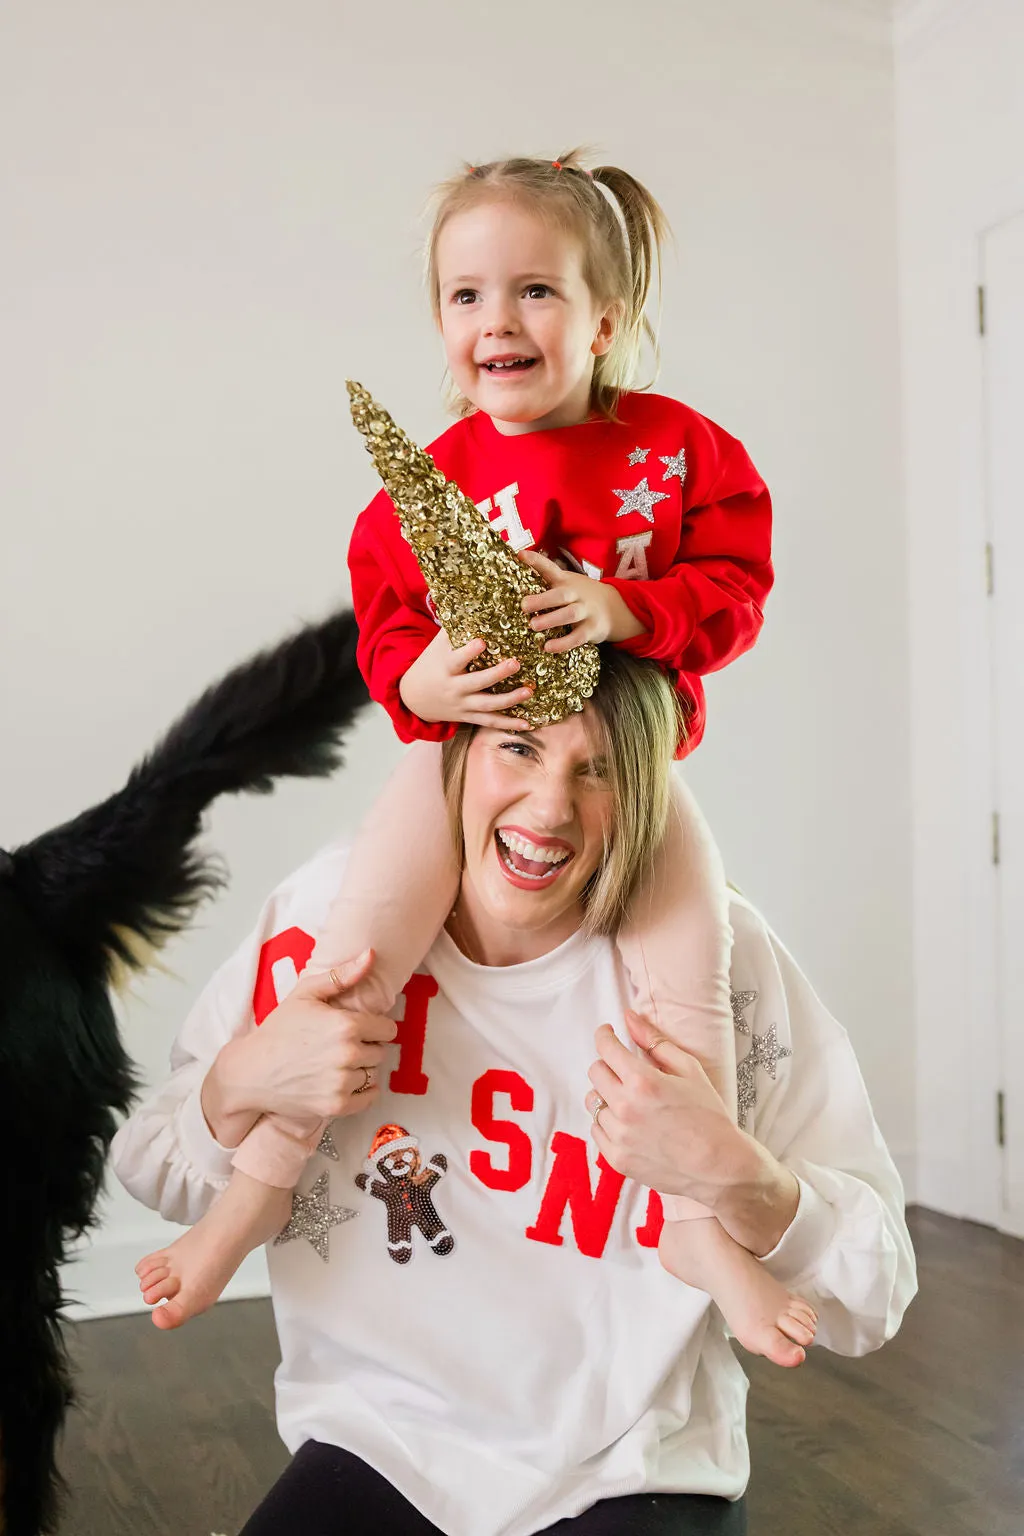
(569, 1185)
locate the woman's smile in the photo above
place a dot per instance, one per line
(530, 861)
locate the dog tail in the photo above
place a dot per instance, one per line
(121, 877)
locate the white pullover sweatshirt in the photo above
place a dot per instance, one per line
(468, 1298)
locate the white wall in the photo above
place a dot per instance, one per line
(960, 116)
(212, 214)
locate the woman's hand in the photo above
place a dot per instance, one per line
(667, 1128)
(593, 610)
(305, 1060)
(438, 687)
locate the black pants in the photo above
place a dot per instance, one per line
(329, 1492)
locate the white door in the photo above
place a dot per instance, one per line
(1003, 266)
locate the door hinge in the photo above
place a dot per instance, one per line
(990, 570)
(995, 837)
(1000, 1119)
(981, 309)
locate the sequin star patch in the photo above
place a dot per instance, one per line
(765, 1052)
(313, 1216)
(741, 1001)
(675, 465)
(640, 499)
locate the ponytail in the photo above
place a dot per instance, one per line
(646, 231)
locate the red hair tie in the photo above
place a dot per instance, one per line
(559, 167)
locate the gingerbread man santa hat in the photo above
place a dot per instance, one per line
(388, 1140)
(476, 582)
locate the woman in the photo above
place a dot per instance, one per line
(477, 1337)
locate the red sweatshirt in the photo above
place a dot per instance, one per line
(662, 504)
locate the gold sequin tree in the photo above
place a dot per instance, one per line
(475, 580)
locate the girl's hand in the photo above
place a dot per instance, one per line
(438, 687)
(593, 610)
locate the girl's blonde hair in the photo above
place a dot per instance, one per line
(639, 721)
(621, 235)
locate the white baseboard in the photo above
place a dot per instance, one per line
(100, 1281)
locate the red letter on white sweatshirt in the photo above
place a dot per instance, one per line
(292, 944)
(520, 1151)
(409, 1076)
(569, 1185)
(649, 1234)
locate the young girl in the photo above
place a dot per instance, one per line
(539, 274)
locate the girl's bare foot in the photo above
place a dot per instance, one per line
(761, 1313)
(185, 1279)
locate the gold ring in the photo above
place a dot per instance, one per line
(661, 1040)
(334, 977)
(367, 1082)
(595, 1112)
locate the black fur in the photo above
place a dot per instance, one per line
(71, 902)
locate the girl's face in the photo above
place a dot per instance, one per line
(536, 808)
(521, 329)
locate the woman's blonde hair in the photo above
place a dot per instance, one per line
(639, 723)
(621, 230)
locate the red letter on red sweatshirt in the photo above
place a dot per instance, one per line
(292, 944)
(569, 1185)
(520, 1151)
(409, 1076)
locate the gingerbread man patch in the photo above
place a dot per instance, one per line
(394, 1173)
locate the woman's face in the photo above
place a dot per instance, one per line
(536, 810)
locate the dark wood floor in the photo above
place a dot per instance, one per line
(175, 1436)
